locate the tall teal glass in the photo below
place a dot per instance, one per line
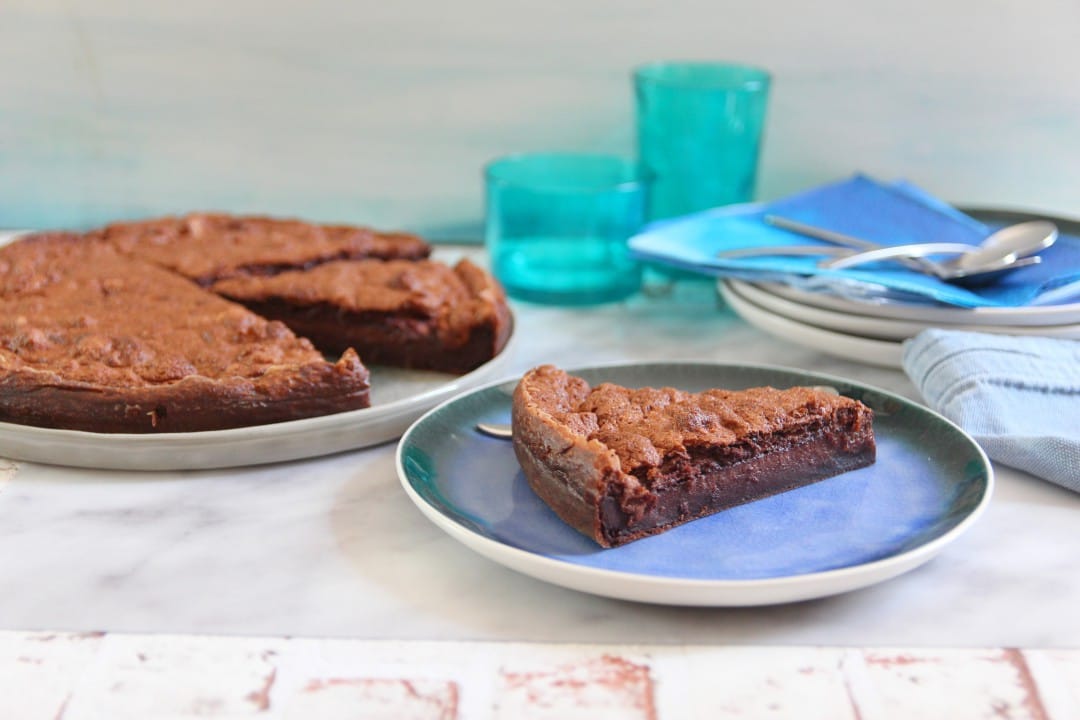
(557, 226)
(700, 130)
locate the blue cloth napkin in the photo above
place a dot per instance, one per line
(1019, 397)
(889, 214)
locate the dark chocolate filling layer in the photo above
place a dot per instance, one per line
(708, 480)
(398, 339)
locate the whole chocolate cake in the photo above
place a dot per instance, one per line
(619, 464)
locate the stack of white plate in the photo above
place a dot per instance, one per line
(872, 331)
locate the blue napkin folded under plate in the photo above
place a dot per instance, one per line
(888, 214)
(1019, 397)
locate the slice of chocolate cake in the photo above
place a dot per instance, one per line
(206, 247)
(93, 339)
(619, 464)
(423, 314)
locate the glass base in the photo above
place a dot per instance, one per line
(566, 271)
(569, 297)
(665, 282)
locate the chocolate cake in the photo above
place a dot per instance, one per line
(619, 464)
(421, 314)
(124, 328)
(207, 247)
(95, 339)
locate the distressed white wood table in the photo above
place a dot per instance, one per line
(305, 589)
(90, 676)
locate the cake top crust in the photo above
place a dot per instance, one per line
(644, 425)
(452, 298)
(84, 313)
(205, 247)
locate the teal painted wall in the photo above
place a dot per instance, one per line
(383, 113)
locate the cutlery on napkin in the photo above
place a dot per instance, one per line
(1019, 397)
(895, 213)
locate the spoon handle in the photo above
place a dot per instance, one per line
(820, 233)
(782, 250)
(915, 250)
(843, 240)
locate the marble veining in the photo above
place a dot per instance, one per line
(7, 471)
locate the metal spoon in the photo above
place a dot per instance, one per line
(910, 255)
(841, 239)
(944, 269)
(1006, 249)
(988, 259)
(1013, 242)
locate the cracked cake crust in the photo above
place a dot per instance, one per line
(207, 247)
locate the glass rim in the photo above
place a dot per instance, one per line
(637, 177)
(753, 76)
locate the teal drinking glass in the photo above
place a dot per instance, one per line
(557, 226)
(700, 128)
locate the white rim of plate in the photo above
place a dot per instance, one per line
(882, 353)
(879, 328)
(668, 590)
(1032, 315)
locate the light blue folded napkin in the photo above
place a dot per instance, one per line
(888, 214)
(1019, 397)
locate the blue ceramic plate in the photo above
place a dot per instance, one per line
(929, 484)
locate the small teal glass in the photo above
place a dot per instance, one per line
(700, 132)
(558, 223)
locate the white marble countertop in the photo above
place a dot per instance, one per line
(332, 547)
